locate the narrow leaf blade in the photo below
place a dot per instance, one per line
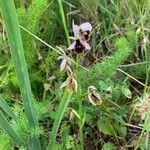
(5, 107)
(4, 124)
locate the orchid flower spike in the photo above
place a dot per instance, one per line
(93, 96)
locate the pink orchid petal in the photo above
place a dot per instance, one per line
(72, 46)
(87, 46)
(76, 30)
(86, 27)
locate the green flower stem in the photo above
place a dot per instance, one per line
(78, 60)
(81, 134)
(60, 113)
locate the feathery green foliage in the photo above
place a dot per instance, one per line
(132, 39)
(6, 142)
(107, 68)
(30, 18)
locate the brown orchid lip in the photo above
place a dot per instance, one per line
(79, 47)
(93, 96)
(96, 100)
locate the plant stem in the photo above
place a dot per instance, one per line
(80, 105)
(81, 123)
(81, 137)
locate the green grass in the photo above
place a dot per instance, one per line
(36, 114)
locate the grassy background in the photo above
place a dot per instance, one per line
(119, 59)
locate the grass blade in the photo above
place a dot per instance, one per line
(4, 124)
(16, 48)
(5, 107)
(64, 21)
(60, 112)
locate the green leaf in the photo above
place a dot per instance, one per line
(60, 113)
(147, 123)
(4, 124)
(120, 129)
(125, 90)
(118, 118)
(76, 113)
(122, 111)
(16, 48)
(102, 85)
(53, 115)
(5, 107)
(105, 126)
(109, 146)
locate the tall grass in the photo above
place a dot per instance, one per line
(16, 49)
(64, 21)
(60, 112)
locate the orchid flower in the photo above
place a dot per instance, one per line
(80, 44)
(70, 84)
(65, 63)
(93, 96)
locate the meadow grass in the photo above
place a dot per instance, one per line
(36, 114)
